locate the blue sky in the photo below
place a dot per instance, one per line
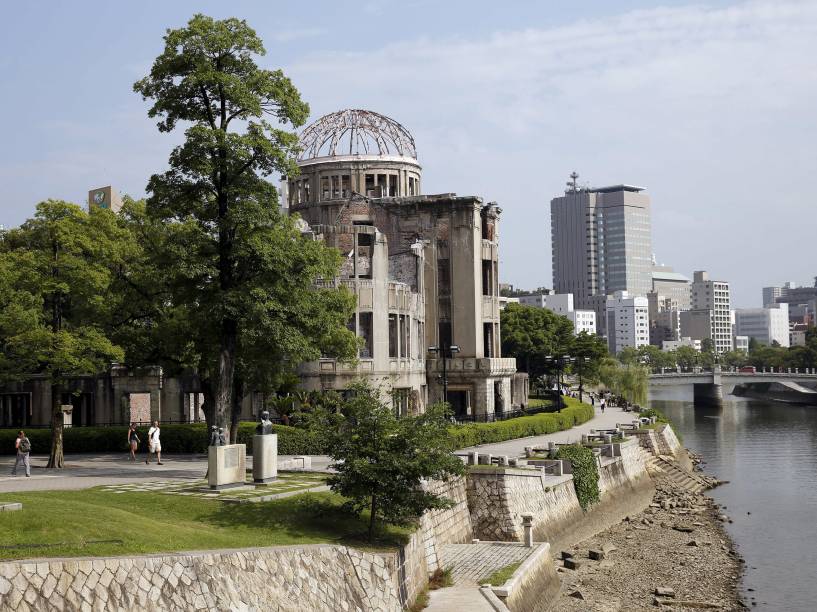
(709, 105)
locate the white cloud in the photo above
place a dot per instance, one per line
(710, 108)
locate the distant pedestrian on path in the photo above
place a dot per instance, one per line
(133, 441)
(154, 444)
(592, 400)
(23, 447)
(603, 406)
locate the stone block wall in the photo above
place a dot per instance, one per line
(448, 526)
(304, 578)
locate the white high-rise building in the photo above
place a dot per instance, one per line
(710, 316)
(601, 243)
(562, 303)
(766, 325)
(628, 321)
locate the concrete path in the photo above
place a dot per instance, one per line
(85, 471)
(516, 448)
(458, 599)
(471, 563)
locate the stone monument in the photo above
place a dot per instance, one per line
(264, 451)
(227, 463)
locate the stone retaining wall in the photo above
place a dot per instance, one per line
(302, 578)
(532, 585)
(498, 497)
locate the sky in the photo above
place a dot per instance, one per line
(711, 106)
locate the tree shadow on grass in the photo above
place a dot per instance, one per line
(311, 517)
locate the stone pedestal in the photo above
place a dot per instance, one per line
(227, 466)
(265, 458)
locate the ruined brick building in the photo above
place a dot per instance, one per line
(424, 268)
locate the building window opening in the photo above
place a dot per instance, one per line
(487, 277)
(365, 332)
(306, 190)
(445, 334)
(345, 186)
(370, 185)
(325, 193)
(393, 186)
(488, 339)
(411, 186)
(400, 399)
(405, 336)
(393, 336)
(335, 187)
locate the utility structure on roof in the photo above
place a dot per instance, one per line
(424, 269)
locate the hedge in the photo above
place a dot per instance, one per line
(188, 438)
(473, 434)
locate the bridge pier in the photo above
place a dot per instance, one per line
(707, 394)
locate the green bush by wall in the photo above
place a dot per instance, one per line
(188, 438)
(520, 427)
(585, 473)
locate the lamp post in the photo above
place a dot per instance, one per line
(580, 363)
(559, 362)
(444, 353)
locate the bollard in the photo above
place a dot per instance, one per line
(528, 451)
(485, 459)
(584, 438)
(502, 459)
(513, 462)
(527, 526)
(608, 438)
(473, 458)
(552, 450)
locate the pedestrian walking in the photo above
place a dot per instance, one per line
(603, 406)
(23, 447)
(133, 441)
(592, 400)
(154, 444)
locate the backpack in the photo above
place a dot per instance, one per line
(25, 445)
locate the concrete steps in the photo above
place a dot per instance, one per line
(664, 468)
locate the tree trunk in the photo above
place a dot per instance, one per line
(235, 411)
(226, 373)
(372, 517)
(56, 457)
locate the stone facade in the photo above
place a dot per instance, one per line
(424, 268)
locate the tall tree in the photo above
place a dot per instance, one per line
(532, 334)
(58, 270)
(237, 265)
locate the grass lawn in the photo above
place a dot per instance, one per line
(97, 522)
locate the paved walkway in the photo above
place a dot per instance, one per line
(458, 599)
(471, 563)
(516, 448)
(85, 471)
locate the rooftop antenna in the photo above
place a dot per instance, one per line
(572, 185)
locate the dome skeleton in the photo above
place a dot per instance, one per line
(356, 132)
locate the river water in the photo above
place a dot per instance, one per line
(768, 453)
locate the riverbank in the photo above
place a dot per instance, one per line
(677, 546)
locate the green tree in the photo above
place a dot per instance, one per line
(239, 268)
(590, 351)
(686, 357)
(629, 381)
(381, 461)
(532, 334)
(56, 275)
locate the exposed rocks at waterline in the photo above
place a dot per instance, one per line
(674, 555)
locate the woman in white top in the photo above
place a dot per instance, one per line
(154, 444)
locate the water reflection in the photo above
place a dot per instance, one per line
(768, 452)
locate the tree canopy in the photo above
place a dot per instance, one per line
(237, 267)
(532, 334)
(56, 275)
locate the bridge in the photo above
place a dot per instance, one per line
(709, 385)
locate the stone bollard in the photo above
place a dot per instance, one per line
(513, 462)
(485, 459)
(528, 452)
(527, 526)
(473, 458)
(608, 438)
(552, 450)
(584, 438)
(502, 459)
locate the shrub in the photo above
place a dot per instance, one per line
(183, 438)
(585, 473)
(473, 434)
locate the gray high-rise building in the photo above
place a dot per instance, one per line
(601, 242)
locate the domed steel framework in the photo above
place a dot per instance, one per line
(355, 132)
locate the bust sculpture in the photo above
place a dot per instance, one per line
(217, 436)
(264, 427)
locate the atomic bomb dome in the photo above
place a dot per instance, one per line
(354, 151)
(355, 133)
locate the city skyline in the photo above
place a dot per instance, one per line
(640, 93)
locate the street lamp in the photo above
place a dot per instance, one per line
(580, 363)
(559, 362)
(445, 353)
